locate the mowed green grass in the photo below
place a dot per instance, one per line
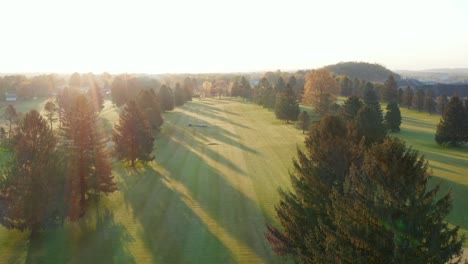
(210, 191)
(449, 165)
(205, 199)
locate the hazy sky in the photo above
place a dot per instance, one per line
(219, 36)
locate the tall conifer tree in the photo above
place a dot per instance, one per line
(31, 189)
(89, 171)
(393, 117)
(132, 136)
(387, 214)
(452, 127)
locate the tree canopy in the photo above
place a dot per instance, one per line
(320, 90)
(393, 117)
(132, 137)
(452, 129)
(32, 186)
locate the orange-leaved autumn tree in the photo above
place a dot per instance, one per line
(320, 90)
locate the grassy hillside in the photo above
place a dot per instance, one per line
(208, 194)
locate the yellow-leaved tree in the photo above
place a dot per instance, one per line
(320, 90)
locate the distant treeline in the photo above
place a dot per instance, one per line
(447, 89)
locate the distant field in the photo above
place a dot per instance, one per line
(209, 193)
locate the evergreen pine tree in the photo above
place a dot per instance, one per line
(259, 94)
(286, 106)
(451, 129)
(408, 97)
(369, 125)
(387, 214)
(390, 90)
(280, 85)
(393, 117)
(132, 136)
(292, 82)
(302, 211)
(351, 107)
(96, 98)
(89, 168)
(31, 188)
(369, 95)
(149, 104)
(246, 89)
(346, 88)
(166, 98)
(119, 90)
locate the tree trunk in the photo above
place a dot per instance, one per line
(9, 130)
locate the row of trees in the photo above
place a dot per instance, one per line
(125, 88)
(359, 196)
(54, 175)
(424, 100)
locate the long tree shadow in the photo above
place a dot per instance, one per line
(418, 123)
(207, 132)
(459, 214)
(97, 238)
(202, 109)
(171, 230)
(186, 205)
(208, 105)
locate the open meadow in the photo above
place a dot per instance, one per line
(210, 191)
